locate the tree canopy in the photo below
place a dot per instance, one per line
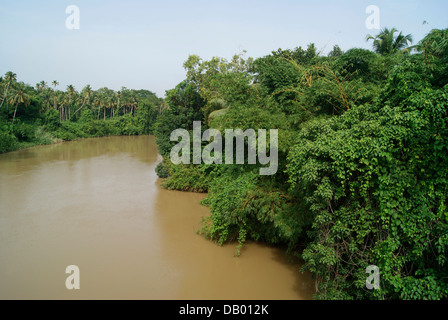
(362, 176)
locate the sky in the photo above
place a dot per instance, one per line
(143, 44)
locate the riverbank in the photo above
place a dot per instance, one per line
(23, 136)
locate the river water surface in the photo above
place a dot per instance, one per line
(98, 204)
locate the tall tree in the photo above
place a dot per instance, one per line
(70, 94)
(41, 85)
(336, 52)
(118, 95)
(86, 94)
(387, 42)
(19, 96)
(9, 77)
(44, 93)
(55, 83)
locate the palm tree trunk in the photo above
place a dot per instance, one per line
(84, 102)
(14, 117)
(6, 93)
(79, 109)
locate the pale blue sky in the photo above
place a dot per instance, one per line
(143, 44)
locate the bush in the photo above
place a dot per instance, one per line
(186, 177)
(86, 116)
(162, 171)
(71, 131)
(169, 121)
(51, 120)
(245, 207)
(24, 132)
(360, 62)
(127, 125)
(8, 142)
(43, 137)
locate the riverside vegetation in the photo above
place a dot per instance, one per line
(362, 154)
(44, 115)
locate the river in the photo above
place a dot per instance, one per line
(98, 204)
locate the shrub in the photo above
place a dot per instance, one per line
(187, 177)
(24, 132)
(51, 120)
(8, 142)
(162, 171)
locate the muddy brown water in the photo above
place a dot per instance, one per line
(98, 204)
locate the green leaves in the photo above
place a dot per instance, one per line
(8, 141)
(376, 182)
(387, 42)
(363, 166)
(243, 207)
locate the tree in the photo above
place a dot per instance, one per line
(41, 85)
(59, 100)
(55, 84)
(386, 42)
(118, 96)
(189, 102)
(434, 48)
(86, 94)
(19, 97)
(229, 82)
(375, 180)
(336, 52)
(9, 77)
(132, 101)
(106, 97)
(98, 102)
(70, 94)
(45, 94)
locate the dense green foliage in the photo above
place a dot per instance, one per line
(363, 167)
(43, 115)
(362, 173)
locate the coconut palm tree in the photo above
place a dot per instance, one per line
(99, 102)
(47, 97)
(55, 84)
(118, 95)
(386, 42)
(71, 94)
(41, 86)
(133, 101)
(110, 106)
(44, 93)
(19, 96)
(86, 94)
(9, 77)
